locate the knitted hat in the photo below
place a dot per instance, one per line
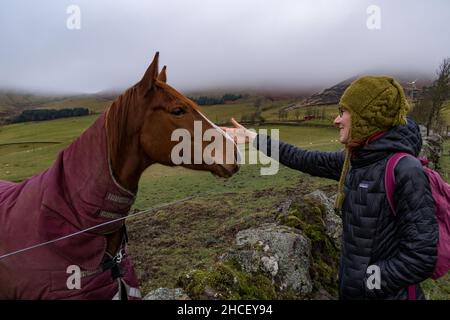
(375, 104)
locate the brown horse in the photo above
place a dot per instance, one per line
(93, 181)
(143, 138)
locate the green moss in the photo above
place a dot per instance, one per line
(437, 289)
(228, 282)
(194, 283)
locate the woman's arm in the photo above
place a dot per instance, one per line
(316, 163)
(322, 164)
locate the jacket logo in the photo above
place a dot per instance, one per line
(364, 185)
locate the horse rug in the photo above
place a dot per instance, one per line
(77, 192)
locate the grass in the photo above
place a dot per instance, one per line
(159, 183)
(270, 111)
(171, 184)
(445, 161)
(196, 233)
(28, 148)
(168, 242)
(223, 112)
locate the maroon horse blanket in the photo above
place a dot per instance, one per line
(77, 192)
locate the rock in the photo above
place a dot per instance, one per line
(167, 294)
(210, 294)
(431, 148)
(281, 252)
(322, 294)
(283, 208)
(333, 223)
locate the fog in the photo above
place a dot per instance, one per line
(276, 44)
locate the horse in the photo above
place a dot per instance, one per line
(92, 182)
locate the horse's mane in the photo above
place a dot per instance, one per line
(117, 122)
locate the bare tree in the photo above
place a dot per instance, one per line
(439, 93)
(258, 109)
(282, 114)
(422, 106)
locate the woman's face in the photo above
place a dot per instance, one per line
(343, 123)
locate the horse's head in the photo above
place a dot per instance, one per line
(164, 111)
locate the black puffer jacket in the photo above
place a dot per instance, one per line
(404, 246)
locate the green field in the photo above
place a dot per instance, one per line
(28, 148)
(194, 234)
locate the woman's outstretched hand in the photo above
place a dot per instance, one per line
(239, 133)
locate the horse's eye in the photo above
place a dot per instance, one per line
(178, 111)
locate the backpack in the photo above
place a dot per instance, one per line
(440, 191)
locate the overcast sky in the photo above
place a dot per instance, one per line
(216, 43)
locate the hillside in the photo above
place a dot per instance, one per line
(332, 95)
(18, 99)
(14, 102)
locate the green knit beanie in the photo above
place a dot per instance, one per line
(375, 103)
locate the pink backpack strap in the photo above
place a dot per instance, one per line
(389, 184)
(389, 177)
(412, 292)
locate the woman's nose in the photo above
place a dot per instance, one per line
(337, 121)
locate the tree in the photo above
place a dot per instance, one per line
(297, 113)
(258, 110)
(421, 108)
(439, 92)
(282, 114)
(48, 114)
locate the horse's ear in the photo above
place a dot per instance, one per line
(163, 75)
(150, 75)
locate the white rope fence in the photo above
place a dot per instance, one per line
(156, 208)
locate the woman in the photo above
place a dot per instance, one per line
(399, 249)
